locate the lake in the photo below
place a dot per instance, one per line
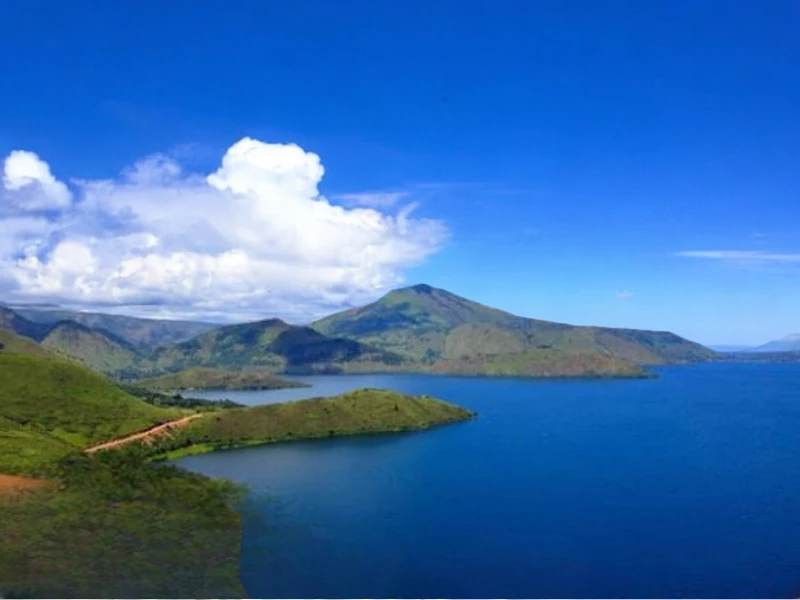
(683, 486)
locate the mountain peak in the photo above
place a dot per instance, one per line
(422, 288)
(274, 322)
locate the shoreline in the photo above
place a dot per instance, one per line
(199, 449)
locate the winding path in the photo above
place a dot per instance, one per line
(147, 434)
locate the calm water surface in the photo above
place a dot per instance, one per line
(683, 486)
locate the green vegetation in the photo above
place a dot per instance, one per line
(116, 524)
(359, 412)
(11, 342)
(144, 335)
(204, 378)
(69, 402)
(118, 527)
(434, 330)
(543, 363)
(97, 349)
(29, 450)
(157, 398)
(271, 345)
(414, 329)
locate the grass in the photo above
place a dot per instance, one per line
(543, 363)
(69, 402)
(359, 412)
(26, 450)
(112, 524)
(204, 378)
(12, 343)
(176, 400)
(119, 527)
(94, 348)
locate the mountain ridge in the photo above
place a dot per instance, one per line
(418, 328)
(426, 324)
(143, 334)
(790, 343)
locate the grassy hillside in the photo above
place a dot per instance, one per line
(118, 527)
(359, 412)
(271, 345)
(69, 402)
(17, 344)
(28, 449)
(542, 363)
(97, 349)
(442, 331)
(143, 334)
(204, 378)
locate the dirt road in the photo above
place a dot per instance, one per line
(146, 435)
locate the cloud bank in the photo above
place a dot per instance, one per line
(253, 238)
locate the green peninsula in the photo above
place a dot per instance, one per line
(356, 413)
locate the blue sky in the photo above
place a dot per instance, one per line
(560, 157)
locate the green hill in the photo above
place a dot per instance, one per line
(272, 345)
(18, 344)
(117, 526)
(205, 378)
(360, 412)
(67, 402)
(98, 349)
(143, 334)
(110, 525)
(441, 331)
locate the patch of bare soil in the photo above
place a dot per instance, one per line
(13, 484)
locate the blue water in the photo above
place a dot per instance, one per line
(683, 486)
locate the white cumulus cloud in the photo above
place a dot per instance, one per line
(30, 185)
(253, 238)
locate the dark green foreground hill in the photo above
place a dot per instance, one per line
(116, 524)
(50, 407)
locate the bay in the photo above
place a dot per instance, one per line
(687, 485)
